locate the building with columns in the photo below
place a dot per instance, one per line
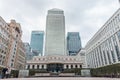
(52, 63)
(56, 58)
(104, 47)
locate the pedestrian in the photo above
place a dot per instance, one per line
(4, 72)
(8, 73)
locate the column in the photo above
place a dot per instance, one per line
(26, 66)
(64, 66)
(35, 67)
(78, 65)
(30, 66)
(116, 59)
(40, 66)
(118, 43)
(102, 55)
(109, 49)
(69, 66)
(45, 66)
(73, 65)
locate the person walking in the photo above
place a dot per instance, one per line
(8, 73)
(4, 72)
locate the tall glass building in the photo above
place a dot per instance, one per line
(55, 33)
(73, 43)
(37, 40)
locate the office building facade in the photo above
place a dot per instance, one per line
(4, 42)
(73, 43)
(12, 53)
(55, 33)
(37, 40)
(104, 47)
(16, 58)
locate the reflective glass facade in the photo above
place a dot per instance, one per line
(73, 43)
(37, 39)
(55, 33)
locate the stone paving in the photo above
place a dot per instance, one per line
(62, 78)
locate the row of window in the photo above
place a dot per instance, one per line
(106, 53)
(71, 66)
(43, 66)
(38, 67)
(57, 58)
(110, 25)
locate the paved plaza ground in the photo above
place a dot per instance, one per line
(62, 78)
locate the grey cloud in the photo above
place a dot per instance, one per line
(84, 16)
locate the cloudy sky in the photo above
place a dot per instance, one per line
(84, 16)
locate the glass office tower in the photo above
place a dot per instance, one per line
(73, 43)
(55, 33)
(37, 40)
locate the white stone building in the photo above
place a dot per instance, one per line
(82, 56)
(64, 62)
(104, 47)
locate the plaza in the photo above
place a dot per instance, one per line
(63, 78)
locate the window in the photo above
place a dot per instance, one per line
(118, 34)
(113, 56)
(109, 57)
(17, 35)
(117, 51)
(71, 66)
(67, 66)
(80, 66)
(42, 66)
(37, 66)
(76, 66)
(11, 64)
(33, 66)
(105, 57)
(28, 67)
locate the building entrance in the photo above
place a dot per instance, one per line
(55, 67)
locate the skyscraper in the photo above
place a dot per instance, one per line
(37, 39)
(55, 33)
(73, 43)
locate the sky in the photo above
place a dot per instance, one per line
(83, 16)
